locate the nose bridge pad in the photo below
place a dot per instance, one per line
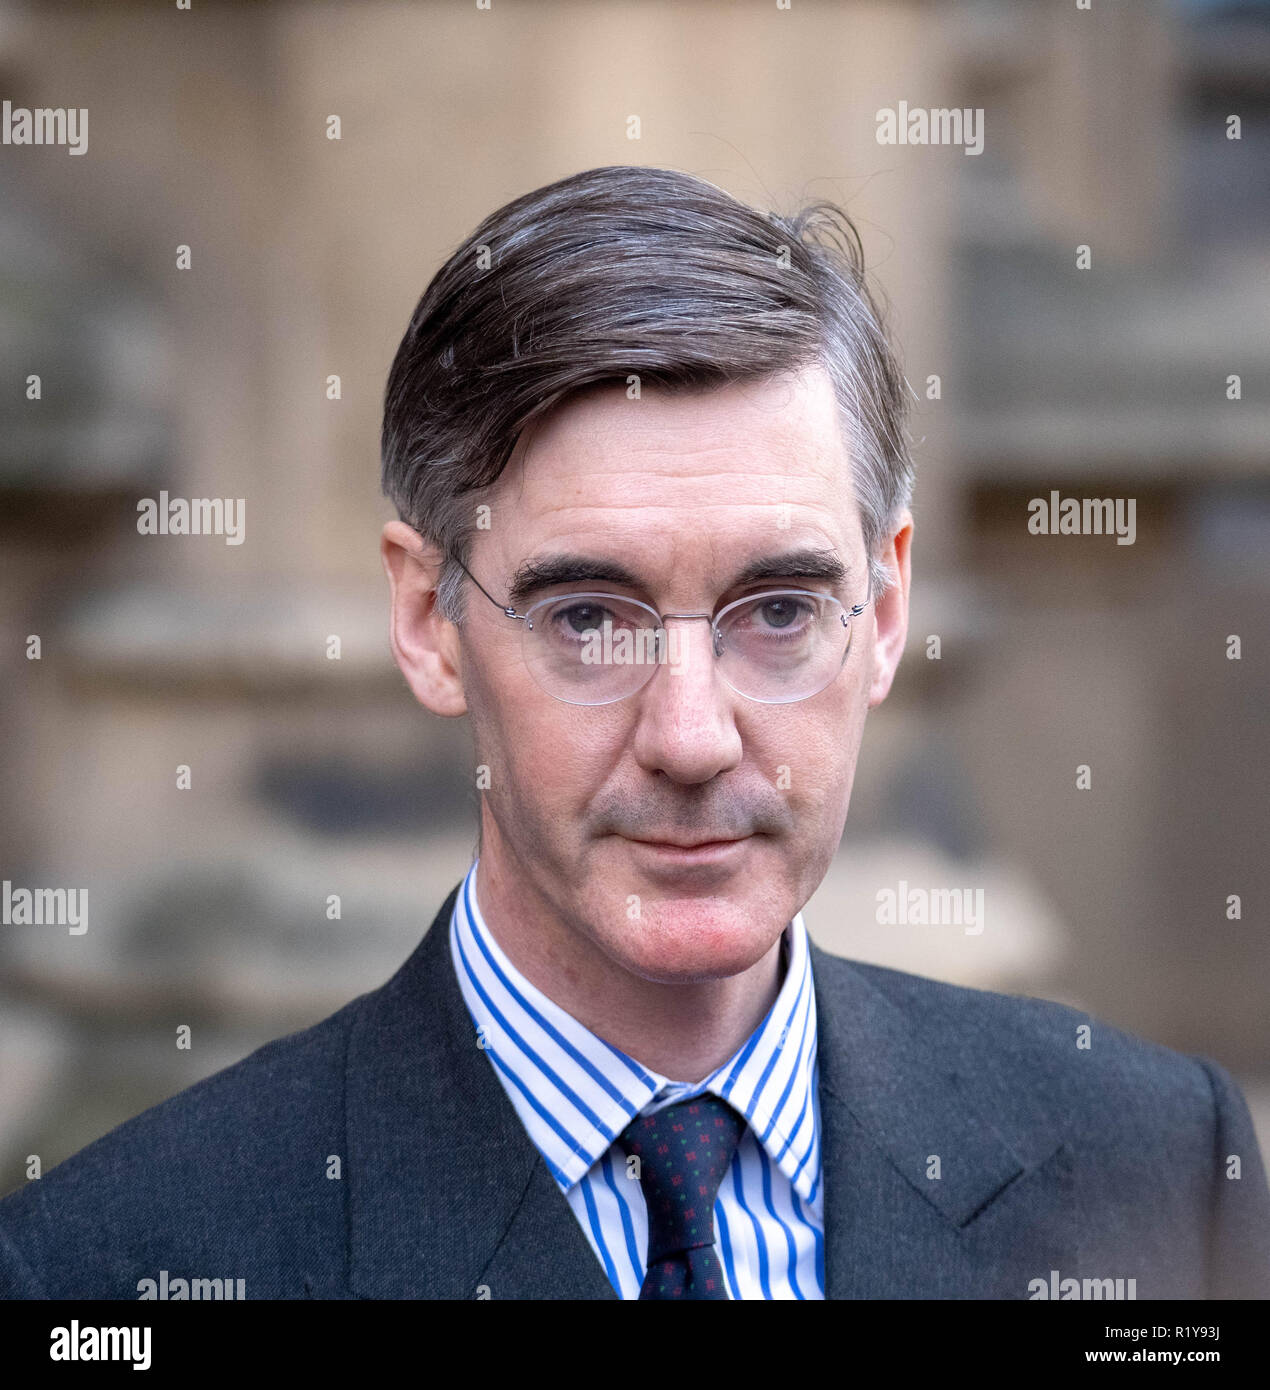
(718, 641)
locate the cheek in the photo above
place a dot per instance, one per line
(813, 759)
(546, 759)
(820, 784)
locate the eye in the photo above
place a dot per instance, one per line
(770, 617)
(777, 613)
(581, 618)
(771, 622)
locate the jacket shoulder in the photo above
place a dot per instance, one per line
(1166, 1173)
(1054, 1061)
(233, 1169)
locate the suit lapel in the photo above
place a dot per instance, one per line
(448, 1197)
(891, 1103)
(543, 1253)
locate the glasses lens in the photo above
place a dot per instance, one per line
(592, 649)
(783, 646)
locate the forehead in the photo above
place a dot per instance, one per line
(715, 466)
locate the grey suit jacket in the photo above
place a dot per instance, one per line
(375, 1155)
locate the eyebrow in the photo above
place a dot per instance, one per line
(804, 563)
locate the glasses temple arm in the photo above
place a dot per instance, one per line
(506, 608)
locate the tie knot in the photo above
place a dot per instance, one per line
(683, 1152)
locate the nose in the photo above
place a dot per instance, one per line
(685, 722)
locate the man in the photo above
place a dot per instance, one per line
(647, 446)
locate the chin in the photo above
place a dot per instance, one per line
(688, 940)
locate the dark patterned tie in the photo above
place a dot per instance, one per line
(683, 1151)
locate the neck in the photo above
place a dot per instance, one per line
(681, 1031)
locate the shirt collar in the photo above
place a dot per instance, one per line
(575, 1093)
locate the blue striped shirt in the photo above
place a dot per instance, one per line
(575, 1093)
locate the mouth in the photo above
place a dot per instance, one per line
(701, 852)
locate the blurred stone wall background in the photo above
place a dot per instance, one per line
(312, 777)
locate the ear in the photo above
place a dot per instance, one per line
(424, 643)
(891, 611)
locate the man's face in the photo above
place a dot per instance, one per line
(685, 490)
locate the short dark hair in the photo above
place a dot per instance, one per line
(631, 271)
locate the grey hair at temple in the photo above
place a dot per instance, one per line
(631, 271)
